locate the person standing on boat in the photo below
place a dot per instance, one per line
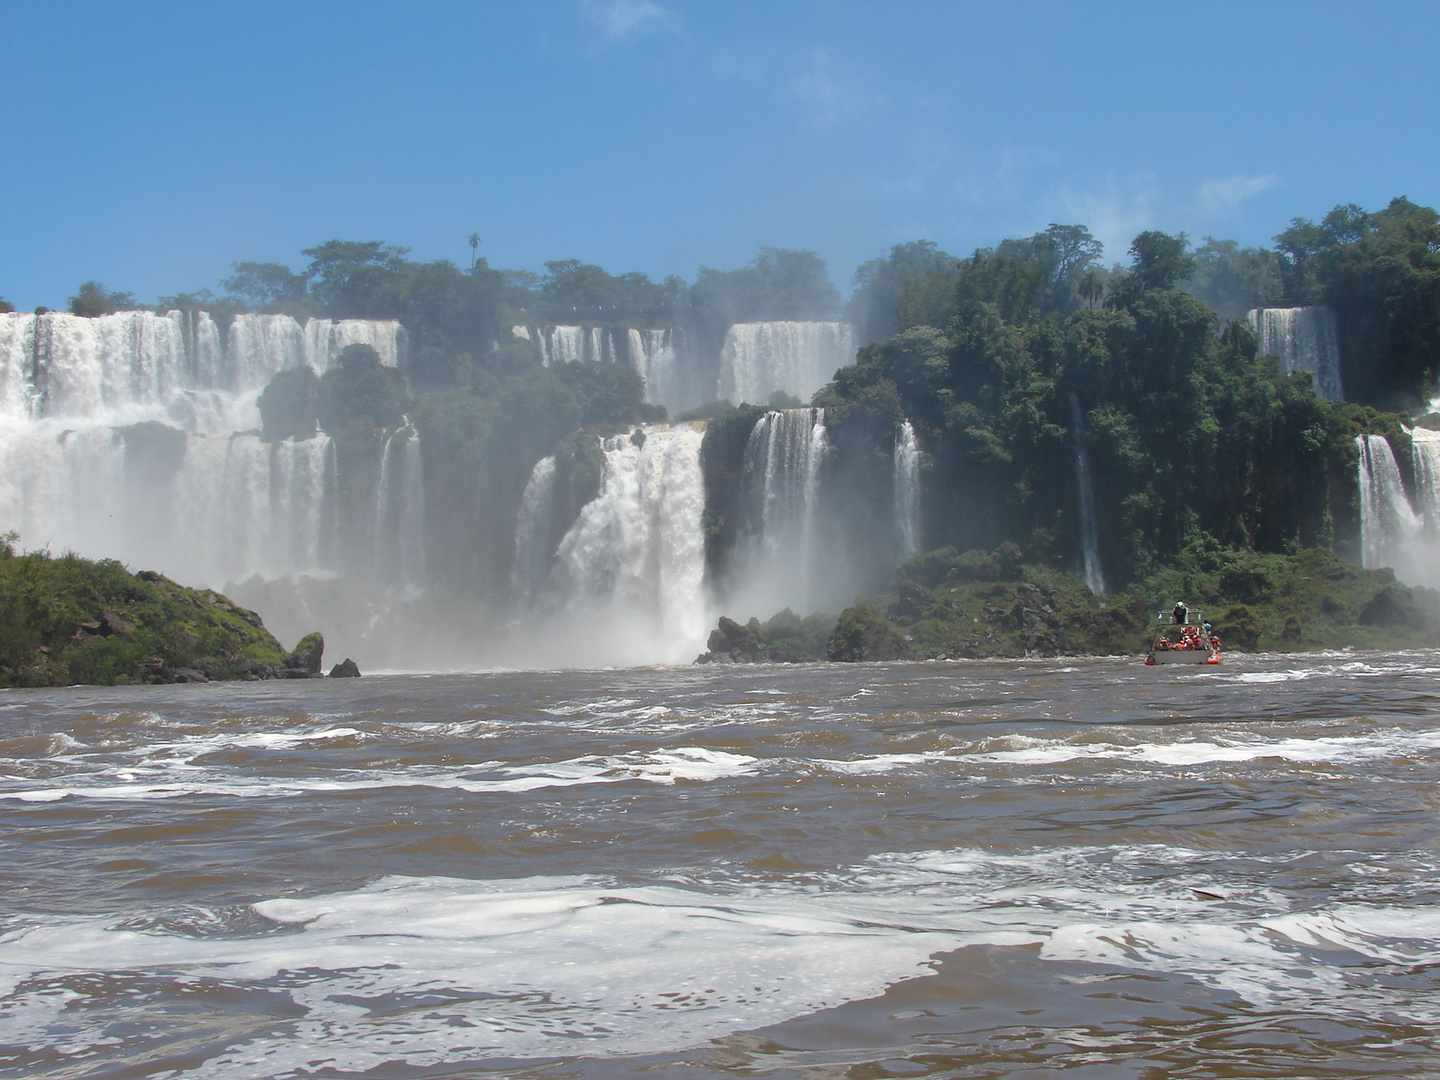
(1182, 613)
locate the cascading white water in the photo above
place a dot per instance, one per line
(399, 539)
(1085, 497)
(798, 358)
(1305, 339)
(533, 534)
(1390, 531)
(782, 557)
(118, 440)
(175, 368)
(656, 358)
(906, 484)
(561, 344)
(633, 564)
(570, 344)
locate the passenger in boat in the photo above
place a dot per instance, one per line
(1181, 613)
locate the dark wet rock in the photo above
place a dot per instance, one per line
(346, 669)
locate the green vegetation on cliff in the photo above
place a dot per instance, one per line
(945, 603)
(980, 605)
(65, 620)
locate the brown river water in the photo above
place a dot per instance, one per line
(1079, 868)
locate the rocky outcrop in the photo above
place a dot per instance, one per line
(304, 662)
(785, 638)
(862, 635)
(346, 669)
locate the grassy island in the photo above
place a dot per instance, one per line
(66, 620)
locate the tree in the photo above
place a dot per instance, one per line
(1158, 261)
(261, 286)
(356, 279)
(290, 404)
(1232, 279)
(474, 248)
(93, 299)
(359, 393)
(875, 306)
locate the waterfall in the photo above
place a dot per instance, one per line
(561, 344)
(782, 558)
(633, 564)
(1085, 496)
(570, 344)
(534, 544)
(906, 483)
(656, 358)
(119, 439)
(1305, 339)
(175, 368)
(1390, 531)
(399, 531)
(798, 358)
(325, 338)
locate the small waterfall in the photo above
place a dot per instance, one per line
(570, 344)
(656, 358)
(399, 540)
(562, 344)
(635, 557)
(534, 543)
(798, 358)
(906, 483)
(782, 557)
(1085, 496)
(1389, 528)
(325, 338)
(249, 507)
(1305, 339)
(412, 537)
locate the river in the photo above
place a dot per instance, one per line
(969, 869)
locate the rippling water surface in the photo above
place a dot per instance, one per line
(1086, 868)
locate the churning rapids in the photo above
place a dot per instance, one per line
(947, 869)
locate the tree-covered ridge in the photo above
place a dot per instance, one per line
(1189, 434)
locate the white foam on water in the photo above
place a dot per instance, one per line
(515, 969)
(432, 971)
(1092, 746)
(1373, 746)
(177, 778)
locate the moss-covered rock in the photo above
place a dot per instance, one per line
(862, 635)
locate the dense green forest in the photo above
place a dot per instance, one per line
(1195, 440)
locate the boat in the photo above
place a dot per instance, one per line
(1184, 637)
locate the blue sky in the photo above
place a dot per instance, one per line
(151, 145)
